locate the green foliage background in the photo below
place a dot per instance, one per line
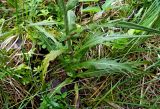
(79, 54)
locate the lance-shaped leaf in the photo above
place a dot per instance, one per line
(58, 88)
(151, 16)
(49, 57)
(105, 66)
(131, 25)
(91, 9)
(71, 20)
(42, 30)
(92, 41)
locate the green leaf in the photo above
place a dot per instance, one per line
(131, 25)
(107, 4)
(71, 4)
(151, 15)
(91, 9)
(99, 40)
(71, 20)
(58, 88)
(104, 66)
(98, 64)
(42, 30)
(48, 103)
(45, 22)
(49, 57)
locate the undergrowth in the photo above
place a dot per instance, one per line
(77, 54)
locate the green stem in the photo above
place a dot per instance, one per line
(63, 6)
(67, 28)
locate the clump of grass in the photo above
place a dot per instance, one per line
(79, 54)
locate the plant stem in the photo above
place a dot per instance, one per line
(66, 24)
